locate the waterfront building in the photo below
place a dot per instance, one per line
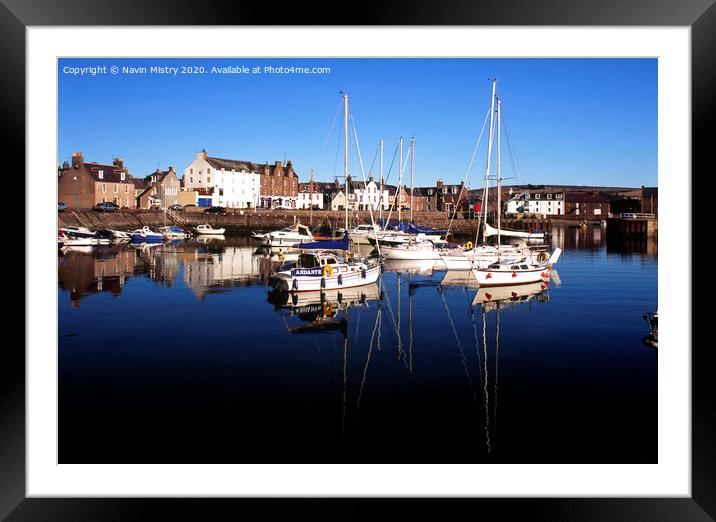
(339, 201)
(368, 196)
(585, 204)
(83, 184)
(306, 198)
(538, 202)
(161, 190)
(238, 183)
(445, 198)
(650, 200)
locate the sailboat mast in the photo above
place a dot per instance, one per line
(412, 173)
(380, 195)
(400, 180)
(499, 174)
(310, 201)
(489, 157)
(345, 151)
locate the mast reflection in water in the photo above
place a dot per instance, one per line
(181, 353)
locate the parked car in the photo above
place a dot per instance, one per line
(216, 210)
(176, 207)
(61, 206)
(107, 206)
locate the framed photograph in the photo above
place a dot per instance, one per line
(415, 258)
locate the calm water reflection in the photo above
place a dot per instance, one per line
(181, 353)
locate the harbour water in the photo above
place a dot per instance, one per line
(180, 353)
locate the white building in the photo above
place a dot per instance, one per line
(339, 201)
(539, 203)
(223, 182)
(368, 196)
(306, 200)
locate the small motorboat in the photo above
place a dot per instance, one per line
(63, 240)
(318, 270)
(174, 232)
(118, 235)
(207, 229)
(95, 238)
(286, 237)
(652, 319)
(77, 232)
(147, 235)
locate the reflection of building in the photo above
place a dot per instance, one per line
(107, 269)
(207, 272)
(83, 274)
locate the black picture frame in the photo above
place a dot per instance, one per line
(16, 15)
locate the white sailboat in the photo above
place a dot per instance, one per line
(484, 257)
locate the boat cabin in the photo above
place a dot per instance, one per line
(317, 260)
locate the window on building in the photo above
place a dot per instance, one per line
(208, 179)
(549, 196)
(104, 188)
(116, 188)
(559, 196)
(100, 174)
(454, 190)
(537, 196)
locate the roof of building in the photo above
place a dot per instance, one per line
(160, 174)
(586, 197)
(244, 166)
(110, 173)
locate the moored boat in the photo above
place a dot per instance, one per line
(652, 319)
(286, 237)
(208, 230)
(505, 274)
(146, 235)
(318, 270)
(174, 232)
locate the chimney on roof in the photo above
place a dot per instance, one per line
(77, 160)
(439, 184)
(118, 162)
(65, 165)
(202, 154)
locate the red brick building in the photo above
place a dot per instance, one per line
(278, 180)
(586, 204)
(84, 184)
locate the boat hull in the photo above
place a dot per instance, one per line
(509, 277)
(348, 279)
(409, 254)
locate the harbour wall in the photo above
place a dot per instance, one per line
(633, 227)
(244, 222)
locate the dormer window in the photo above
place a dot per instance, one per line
(537, 196)
(559, 196)
(122, 176)
(549, 196)
(100, 174)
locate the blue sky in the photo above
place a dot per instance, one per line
(570, 121)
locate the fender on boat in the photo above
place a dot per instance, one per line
(554, 257)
